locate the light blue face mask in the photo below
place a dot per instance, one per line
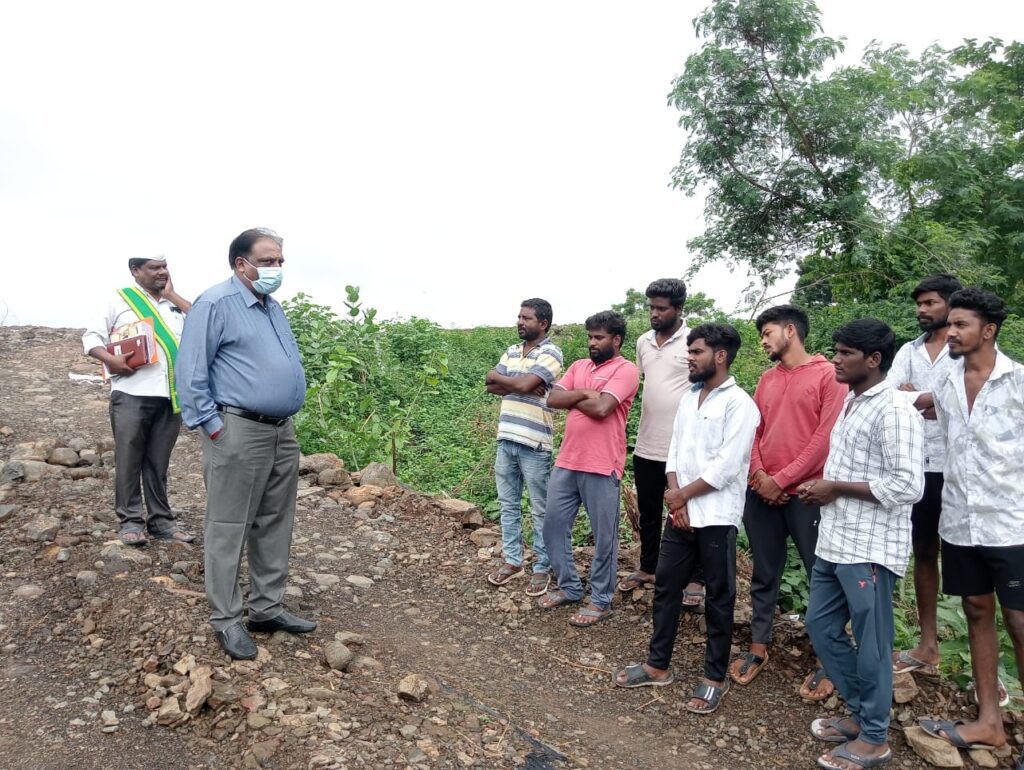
(269, 279)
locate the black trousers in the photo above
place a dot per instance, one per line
(768, 527)
(145, 431)
(715, 547)
(649, 477)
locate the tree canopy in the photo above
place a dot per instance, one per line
(861, 178)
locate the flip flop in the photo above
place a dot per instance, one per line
(553, 599)
(697, 606)
(633, 582)
(176, 535)
(811, 683)
(845, 733)
(749, 660)
(906, 662)
(946, 730)
(599, 616)
(1004, 694)
(637, 676)
(843, 752)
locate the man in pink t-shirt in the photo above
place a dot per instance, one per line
(598, 393)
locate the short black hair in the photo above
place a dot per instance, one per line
(989, 306)
(943, 284)
(243, 243)
(717, 337)
(610, 321)
(785, 314)
(539, 306)
(671, 289)
(868, 335)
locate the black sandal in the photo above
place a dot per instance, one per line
(710, 694)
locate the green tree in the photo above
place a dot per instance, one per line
(865, 177)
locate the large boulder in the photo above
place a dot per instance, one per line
(42, 528)
(467, 513)
(319, 462)
(28, 470)
(334, 477)
(378, 475)
(63, 456)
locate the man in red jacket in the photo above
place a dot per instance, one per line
(799, 401)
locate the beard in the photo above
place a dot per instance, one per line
(933, 325)
(702, 374)
(600, 356)
(528, 336)
(664, 323)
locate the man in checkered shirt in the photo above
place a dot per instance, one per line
(873, 476)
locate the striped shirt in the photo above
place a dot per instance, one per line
(525, 418)
(878, 438)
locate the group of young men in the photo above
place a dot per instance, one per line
(860, 461)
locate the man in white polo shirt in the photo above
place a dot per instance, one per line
(661, 358)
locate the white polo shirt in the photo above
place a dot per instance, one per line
(665, 372)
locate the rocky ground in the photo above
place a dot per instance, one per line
(106, 660)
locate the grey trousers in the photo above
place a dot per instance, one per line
(252, 474)
(145, 430)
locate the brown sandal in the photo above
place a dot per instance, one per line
(750, 666)
(817, 686)
(504, 574)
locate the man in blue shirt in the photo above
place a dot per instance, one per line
(240, 380)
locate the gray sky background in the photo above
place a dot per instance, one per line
(450, 158)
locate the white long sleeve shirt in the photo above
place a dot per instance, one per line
(712, 441)
(913, 365)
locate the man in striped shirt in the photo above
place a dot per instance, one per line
(873, 476)
(523, 377)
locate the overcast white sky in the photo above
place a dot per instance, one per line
(450, 158)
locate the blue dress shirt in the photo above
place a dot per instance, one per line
(237, 351)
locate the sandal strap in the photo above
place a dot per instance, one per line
(750, 659)
(708, 693)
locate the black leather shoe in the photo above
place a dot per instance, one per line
(237, 643)
(283, 622)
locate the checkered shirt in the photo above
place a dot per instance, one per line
(879, 439)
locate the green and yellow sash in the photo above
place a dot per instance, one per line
(144, 308)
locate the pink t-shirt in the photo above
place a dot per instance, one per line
(589, 444)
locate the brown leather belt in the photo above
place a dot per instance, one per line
(245, 414)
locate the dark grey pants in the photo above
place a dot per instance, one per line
(768, 528)
(252, 474)
(145, 431)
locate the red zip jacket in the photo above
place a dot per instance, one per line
(798, 409)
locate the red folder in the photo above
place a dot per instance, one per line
(136, 348)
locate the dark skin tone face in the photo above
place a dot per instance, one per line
(931, 310)
(602, 345)
(968, 332)
(663, 315)
(529, 327)
(857, 370)
(152, 276)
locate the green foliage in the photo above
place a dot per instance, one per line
(865, 177)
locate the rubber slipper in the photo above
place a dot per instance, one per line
(599, 616)
(749, 660)
(176, 535)
(637, 676)
(554, 599)
(1004, 694)
(843, 752)
(946, 730)
(906, 662)
(836, 723)
(811, 684)
(633, 582)
(697, 606)
(539, 583)
(505, 574)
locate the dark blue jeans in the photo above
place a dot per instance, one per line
(862, 674)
